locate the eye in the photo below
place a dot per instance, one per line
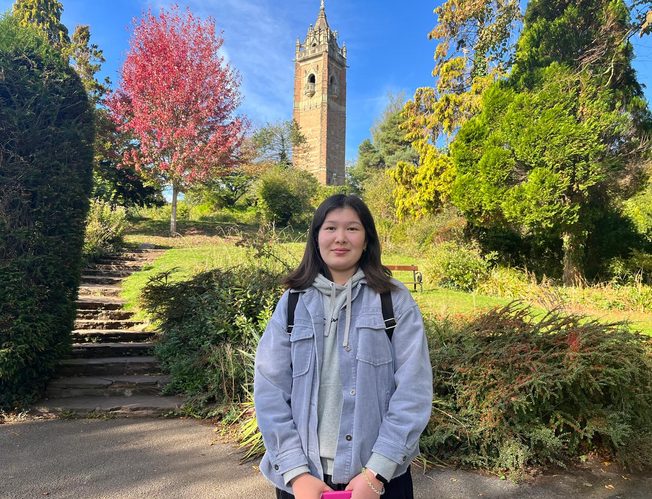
(354, 228)
(329, 228)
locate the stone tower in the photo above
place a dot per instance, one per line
(320, 102)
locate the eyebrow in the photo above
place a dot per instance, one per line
(350, 222)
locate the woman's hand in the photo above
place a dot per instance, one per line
(306, 486)
(360, 486)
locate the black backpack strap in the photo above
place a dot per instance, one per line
(293, 299)
(388, 313)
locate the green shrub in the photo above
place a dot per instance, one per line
(511, 392)
(325, 191)
(639, 210)
(164, 212)
(452, 265)
(105, 227)
(507, 282)
(210, 324)
(284, 195)
(378, 194)
(633, 270)
(46, 154)
(413, 236)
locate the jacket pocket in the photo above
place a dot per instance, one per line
(373, 345)
(302, 341)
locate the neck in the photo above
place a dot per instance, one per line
(341, 278)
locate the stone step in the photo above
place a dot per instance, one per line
(110, 336)
(139, 405)
(118, 264)
(106, 386)
(98, 303)
(112, 315)
(99, 290)
(112, 265)
(108, 272)
(108, 365)
(107, 324)
(132, 256)
(96, 279)
(115, 349)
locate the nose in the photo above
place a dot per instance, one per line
(340, 235)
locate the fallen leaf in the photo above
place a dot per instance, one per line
(610, 487)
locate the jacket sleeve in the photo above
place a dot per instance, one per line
(411, 403)
(272, 391)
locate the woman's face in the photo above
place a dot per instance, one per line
(341, 240)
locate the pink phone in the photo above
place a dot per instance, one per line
(336, 494)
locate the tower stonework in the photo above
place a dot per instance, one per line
(320, 102)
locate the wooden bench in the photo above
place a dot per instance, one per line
(417, 277)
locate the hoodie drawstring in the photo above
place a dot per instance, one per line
(347, 324)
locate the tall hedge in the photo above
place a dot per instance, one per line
(46, 137)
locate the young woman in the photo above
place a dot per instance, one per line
(340, 404)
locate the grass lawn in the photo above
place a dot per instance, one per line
(203, 246)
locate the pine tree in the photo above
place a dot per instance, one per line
(46, 15)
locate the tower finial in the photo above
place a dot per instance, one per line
(322, 5)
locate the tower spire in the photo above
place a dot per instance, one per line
(321, 22)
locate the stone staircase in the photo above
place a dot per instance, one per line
(112, 370)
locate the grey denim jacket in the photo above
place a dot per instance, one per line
(387, 387)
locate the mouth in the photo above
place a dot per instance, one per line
(340, 251)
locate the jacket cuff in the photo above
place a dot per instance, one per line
(289, 475)
(381, 465)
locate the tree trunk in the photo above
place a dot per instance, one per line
(173, 215)
(573, 246)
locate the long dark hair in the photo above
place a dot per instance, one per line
(377, 275)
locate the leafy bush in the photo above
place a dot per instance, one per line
(164, 212)
(452, 265)
(284, 195)
(413, 236)
(46, 155)
(325, 191)
(105, 227)
(378, 194)
(210, 324)
(633, 270)
(507, 282)
(639, 210)
(511, 392)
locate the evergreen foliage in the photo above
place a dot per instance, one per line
(554, 142)
(512, 392)
(210, 324)
(46, 16)
(389, 146)
(46, 154)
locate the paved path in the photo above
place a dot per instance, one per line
(170, 458)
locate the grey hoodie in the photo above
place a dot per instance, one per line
(329, 409)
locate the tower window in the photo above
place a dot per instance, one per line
(333, 87)
(310, 85)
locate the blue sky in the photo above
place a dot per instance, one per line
(387, 44)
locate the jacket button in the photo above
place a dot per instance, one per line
(353, 392)
(404, 458)
(349, 438)
(276, 467)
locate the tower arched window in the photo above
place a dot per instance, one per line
(333, 86)
(310, 85)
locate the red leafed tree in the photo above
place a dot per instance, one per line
(177, 102)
